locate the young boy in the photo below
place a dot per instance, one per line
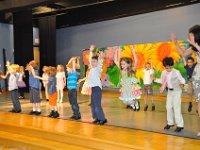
(172, 79)
(72, 87)
(148, 87)
(189, 66)
(12, 86)
(94, 82)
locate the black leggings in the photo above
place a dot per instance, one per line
(21, 92)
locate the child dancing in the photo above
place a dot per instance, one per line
(148, 87)
(21, 83)
(45, 76)
(130, 90)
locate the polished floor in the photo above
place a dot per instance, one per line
(118, 115)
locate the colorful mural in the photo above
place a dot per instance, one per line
(151, 52)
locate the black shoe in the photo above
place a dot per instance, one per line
(38, 113)
(12, 110)
(47, 100)
(74, 117)
(153, 108)
(51, 114)
(102, 122)
(128, 106)
(167, 127)
(178, 129)
(146, 107)
(96, 121)
(190, 107)
(18, 111)
(55, 115)
(32, 112)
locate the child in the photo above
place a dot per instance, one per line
(34, 84)
(21, 83)
(148, 87)
(189, 66)
(172, 79)
(94, 82)
(130, 90)
(12, 86)
(72, 87)
(45, 76)
(60, 82)
(85, 89)
(52, 92)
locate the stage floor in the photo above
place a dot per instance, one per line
(118, 115)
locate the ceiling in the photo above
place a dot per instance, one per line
(77, 12)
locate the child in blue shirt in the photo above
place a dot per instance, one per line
(72, 87)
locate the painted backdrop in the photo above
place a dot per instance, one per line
(151, 52)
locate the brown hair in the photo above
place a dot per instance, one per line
(21, 68)
(45, 69)
(34, 64)
(129, 68)
(52, 71)
(62, 67)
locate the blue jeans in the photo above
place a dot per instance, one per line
(97, 111)
(72, 95)
(15, 100)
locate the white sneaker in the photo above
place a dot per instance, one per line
(198, 134)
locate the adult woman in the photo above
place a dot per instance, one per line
(194, 41)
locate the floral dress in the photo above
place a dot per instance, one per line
(130, 90)
(196, 78)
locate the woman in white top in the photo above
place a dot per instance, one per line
(194, 41)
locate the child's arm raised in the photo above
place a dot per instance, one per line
(135, 58)
(181, 51)
(117, 57)
(34, 75)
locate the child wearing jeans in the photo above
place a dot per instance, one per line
(148, 87)
(52, 92)
(94, 81)
(172, 79)
(189, 66)
(72, 87)
(12, 86)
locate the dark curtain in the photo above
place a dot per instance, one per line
(47, 34)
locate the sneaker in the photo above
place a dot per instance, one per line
(198, 134)
(146, 107)
(137, 105)
(102, 122)
(153, 108)
(51, 114)
(38, 113)
(55, 115)
(128, 106)
(178, 129)
(190, 107)
(32, 112)
(12, 110)
(47, 100)
(167, 127)
(96, 121)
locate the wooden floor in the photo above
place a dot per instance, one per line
(26, 132)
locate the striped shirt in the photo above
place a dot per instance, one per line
(72, 79)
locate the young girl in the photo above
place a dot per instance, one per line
(52, 93)
(45, 76)
(85, 89)
(148, 87)
(60, 82)
(21, 83)
(130, 90)
(34, 84)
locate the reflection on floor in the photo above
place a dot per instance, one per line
(118, 115)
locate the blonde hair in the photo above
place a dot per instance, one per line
(21, 68)
(45, 69)
(61, 66)
(34, 64)
(69, 65)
